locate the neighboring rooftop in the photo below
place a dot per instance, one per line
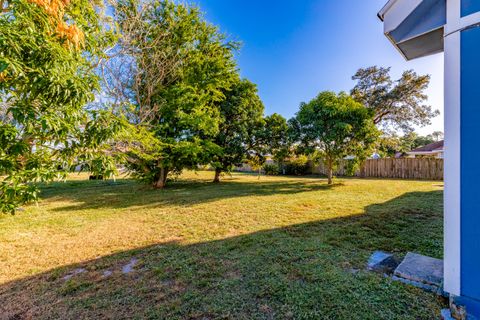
(435, 146)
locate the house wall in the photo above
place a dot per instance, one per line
(469, 7)
(462, 115)
(470, 175)
(437, 154)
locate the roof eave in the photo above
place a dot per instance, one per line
(423, 152)
(384, 10)
(389, 37)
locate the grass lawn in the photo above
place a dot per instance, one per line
(275, 248)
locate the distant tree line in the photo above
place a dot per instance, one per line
(152, 86)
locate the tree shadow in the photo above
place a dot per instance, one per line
(127, 193)
(305, 271)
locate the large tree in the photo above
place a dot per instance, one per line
(170, 72)
(269, 138)
(398, 104)
(241, 112)
(276, 137)
(49, 50)
(334, 126)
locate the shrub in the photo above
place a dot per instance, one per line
(351, 166)
(297, 166)
(271, 169)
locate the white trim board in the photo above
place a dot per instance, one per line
(395, 12)
(452, 200)
(457, 23)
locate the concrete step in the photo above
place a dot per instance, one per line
(421, 271)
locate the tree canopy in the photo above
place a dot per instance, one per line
(399, 104)
(171, 98)
(275, 135)
(333, 127)
(49, 50)
(240, 113)
(178, 68)
(269, 139)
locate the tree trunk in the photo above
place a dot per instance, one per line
(330, 172)
(161, 179)
(218, 171)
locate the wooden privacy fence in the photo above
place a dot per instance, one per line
(403, 168)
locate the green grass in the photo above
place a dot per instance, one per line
(274, 248)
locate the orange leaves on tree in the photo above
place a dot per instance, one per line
(56, 9)
(71, 32)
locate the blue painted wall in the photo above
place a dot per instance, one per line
(470, 163)
(470, 6)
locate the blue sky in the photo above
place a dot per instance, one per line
(294, 49)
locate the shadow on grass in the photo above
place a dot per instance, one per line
(305, 271)
(127, 193)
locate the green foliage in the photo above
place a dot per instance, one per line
(297, 166)
(271, 169)
(240, 113)
(395, 103)
(276, 136)
(413, 140)
(256, 161)
(183, 67)
(48, 53)
(270, 138)
(94, 149)
(390, 144)
(351, 166)
(331, 127)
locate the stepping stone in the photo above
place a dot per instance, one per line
(74, 273)
(107, 273)
(382, 262)
(446, 315)
(129, 267)
(420, 271)
(353, 271)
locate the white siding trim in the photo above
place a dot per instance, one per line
(385, 8)
(456, 23)
(397, 12)
(452, 200)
